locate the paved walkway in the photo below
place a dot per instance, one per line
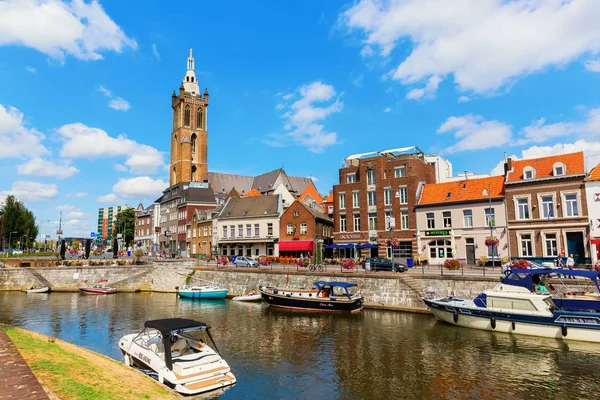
(16, 379)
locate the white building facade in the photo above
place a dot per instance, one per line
(592, 194)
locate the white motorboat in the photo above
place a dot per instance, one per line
(173, 351)
(515, 309)
(44, 289)
(248, 297)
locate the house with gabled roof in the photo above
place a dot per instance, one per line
(592, 193)
(547, 208)
(455, 218)
(304, 230)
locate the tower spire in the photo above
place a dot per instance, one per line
(190, 83)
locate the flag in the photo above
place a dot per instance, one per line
(550, 212)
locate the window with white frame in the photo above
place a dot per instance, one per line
(351, 178)
(559, 169)
(270, 229)
(571, 205)
(528, 173)
(522, 208)
(303, 229)
(371, 177)
(356, 222)
(403, 190)
(248, 230)
(550, 245)
(194, 232)
(468, 218)
(206, 231)
(490, 217)
(371, 199)
(547, 202)
(400, 172)
(526, 247)
(356, 199)
(404, 219)
(240, 230)
(232, 231)
(342, 223)
(447, 216)
(224, 231)
(387, 196)
(342, 200)
(290, 229)
(256, 230)
(193, 248)
(372, 221)
(430, 221)
(296, 213)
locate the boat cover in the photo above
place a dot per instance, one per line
(524, 277)
(168, 325)
(320, 284)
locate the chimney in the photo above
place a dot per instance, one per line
(507, 165)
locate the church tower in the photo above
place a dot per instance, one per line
(189, 138)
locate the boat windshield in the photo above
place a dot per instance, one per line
(150, 339)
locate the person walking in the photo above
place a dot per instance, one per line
(570, 264)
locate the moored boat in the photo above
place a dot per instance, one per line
(323, 296)
(202, 292)
(44, 289)
(174, 351)
(248, 297)
(98, 288)
(515, 309)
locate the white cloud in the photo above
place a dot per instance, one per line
(473, 132)
(499, 168)
(280, 106)
(57, 28)
(387, 110)
(302, 116)
(65, 207)
(31, 69)
(41, 167)
(108, 198)
(81, 141)
(287, 96)
(463, 99)
(16, 140)
(80, 194)
(120, 168)
(155, 51)
(314, 178)
(539, 131)
(119, 104)
(484, 45)
(428, 92)
(593, 65)
(77, 214)
(32, 191)
(140, 187)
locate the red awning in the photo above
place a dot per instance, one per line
(296, 245)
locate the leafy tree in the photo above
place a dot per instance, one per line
(125, 224)
(18, 219)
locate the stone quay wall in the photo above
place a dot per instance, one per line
(395, 292)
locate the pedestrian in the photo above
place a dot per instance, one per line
(560, 264)
(570, 263)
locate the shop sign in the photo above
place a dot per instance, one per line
(350, 236)
(441, 232)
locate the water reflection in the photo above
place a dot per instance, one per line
(369, 355)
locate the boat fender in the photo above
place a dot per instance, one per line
(513, 325)
(493, 322)
(275, 291)
(563, 328)
(176, 287)
(455, 318)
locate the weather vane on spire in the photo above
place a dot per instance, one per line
(190, 53)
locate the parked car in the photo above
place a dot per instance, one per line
(530, 265)
(17, 251)
(383, 264)
(243, 261)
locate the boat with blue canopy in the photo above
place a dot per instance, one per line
(567, 294)
(323, 296)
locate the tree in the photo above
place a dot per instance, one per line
(16, 218)
(125, 224)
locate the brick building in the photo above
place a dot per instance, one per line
(200, 232)
(546, 207)
(374, 186)
(302, 229)
(144, 226)
(592, 192)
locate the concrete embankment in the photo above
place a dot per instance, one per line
(394, 292)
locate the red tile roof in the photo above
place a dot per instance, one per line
(252, 193)
(544, 166)
(312, 191)
(329, 198)
(463, 190)
(594, 174)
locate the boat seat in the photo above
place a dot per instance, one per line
(180, 346)
(184, 363)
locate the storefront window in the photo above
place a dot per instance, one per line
(440, 249)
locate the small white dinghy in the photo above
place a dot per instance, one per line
(44, 289)
(248, 297)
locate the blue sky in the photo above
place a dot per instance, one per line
(85, 89)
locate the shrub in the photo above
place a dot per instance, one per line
(452, 264)
(505, 259)
(483, 260)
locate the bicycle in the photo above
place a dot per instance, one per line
(317, 267)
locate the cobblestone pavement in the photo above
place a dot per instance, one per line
(16, 379)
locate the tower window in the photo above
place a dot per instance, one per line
(194, 174)
(194, 146)
(187, 116)
(192, 79)
(199, 117)
(187, 78)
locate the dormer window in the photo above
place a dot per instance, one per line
(528, 173)
(559, 169)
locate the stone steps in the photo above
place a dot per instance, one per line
(37, 276)
(413, 285)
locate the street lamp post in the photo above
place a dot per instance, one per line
(10, 239)
(490, 221)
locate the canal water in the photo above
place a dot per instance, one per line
(278, 354)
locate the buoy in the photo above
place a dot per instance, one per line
(455, 318)
(513, 325)
(564, 330)
(493, 322)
